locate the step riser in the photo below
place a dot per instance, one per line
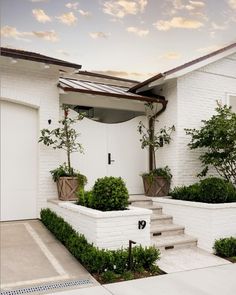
(161, 221)
(157, 211)
(141, 203)
(168, 233)
(178, 246)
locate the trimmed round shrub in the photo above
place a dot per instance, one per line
(225, 247)
(216, 190)
(109, 194)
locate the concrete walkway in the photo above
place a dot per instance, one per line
(215, 280)
(188, 259)
(32, 257)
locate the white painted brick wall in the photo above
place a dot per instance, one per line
(28, 83)
(106, 230)
(168, 154)
(190, 100)
(206, 222)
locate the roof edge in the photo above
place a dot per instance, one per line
(183, 66)
(36, 57)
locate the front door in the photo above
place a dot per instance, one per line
(111, 150)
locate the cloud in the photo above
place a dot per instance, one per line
(191, 7)
(121, 8)
(210, 48)
(72, 5)
(41, 16)
(63, 52)
(232, 4)
(221, 27)
(68, 19)
(12, 32)
(84, 13)
(171, 55)
(178, 22)
(97, 35)
(124, 74)
(137, 31)
(46, 35)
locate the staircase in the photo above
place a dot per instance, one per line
(165, 235)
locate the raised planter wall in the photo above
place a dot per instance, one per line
(106, 230)
(206, 222)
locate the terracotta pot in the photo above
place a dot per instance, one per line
(157, 186)
(67, 187)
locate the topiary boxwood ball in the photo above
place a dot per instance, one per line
(110, 193)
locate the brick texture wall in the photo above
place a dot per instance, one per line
(192, 98)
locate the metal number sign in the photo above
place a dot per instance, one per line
(142, 224)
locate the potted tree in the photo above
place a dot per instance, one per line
(157, 180)
(65, 137)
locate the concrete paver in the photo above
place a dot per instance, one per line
(216, 280)
(31, 256)
(188, 259)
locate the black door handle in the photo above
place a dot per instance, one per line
(109, 159)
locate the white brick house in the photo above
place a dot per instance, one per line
(34, 86)
(192, 91)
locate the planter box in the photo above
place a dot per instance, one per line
(158, 187)
(206, 222)
(67, 187)
(106, 230)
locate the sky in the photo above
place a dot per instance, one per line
(127, 38)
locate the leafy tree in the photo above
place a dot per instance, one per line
(152, 138)
(63, 137)
(217, 137)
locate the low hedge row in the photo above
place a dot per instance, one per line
(95, 260)
(209, 190)
(225, 247)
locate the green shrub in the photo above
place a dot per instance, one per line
(144, 257)
(84, 198)
(94, 259)
(187, 193)
(210, 190)
(108, 277)
(164, 172)
(225, 247)
(128, 275)
(64, 170)
(109, 193)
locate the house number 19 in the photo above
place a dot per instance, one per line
(142, 224)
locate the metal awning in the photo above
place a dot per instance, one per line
(98, 88)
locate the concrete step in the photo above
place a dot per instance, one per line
(137, 198)
(156, 209)
(166, 230)
(174, 242)
(160, 219)
(143, 204)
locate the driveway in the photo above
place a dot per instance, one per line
(32, 257)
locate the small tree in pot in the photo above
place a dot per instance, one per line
(157, 180)
(65, 137)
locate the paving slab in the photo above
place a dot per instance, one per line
(188, 259)
(216, 280)
(32, 257)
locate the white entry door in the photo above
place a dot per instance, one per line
(18, 161)
(128, 160)
(121, 142)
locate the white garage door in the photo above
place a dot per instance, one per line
(18, 161)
